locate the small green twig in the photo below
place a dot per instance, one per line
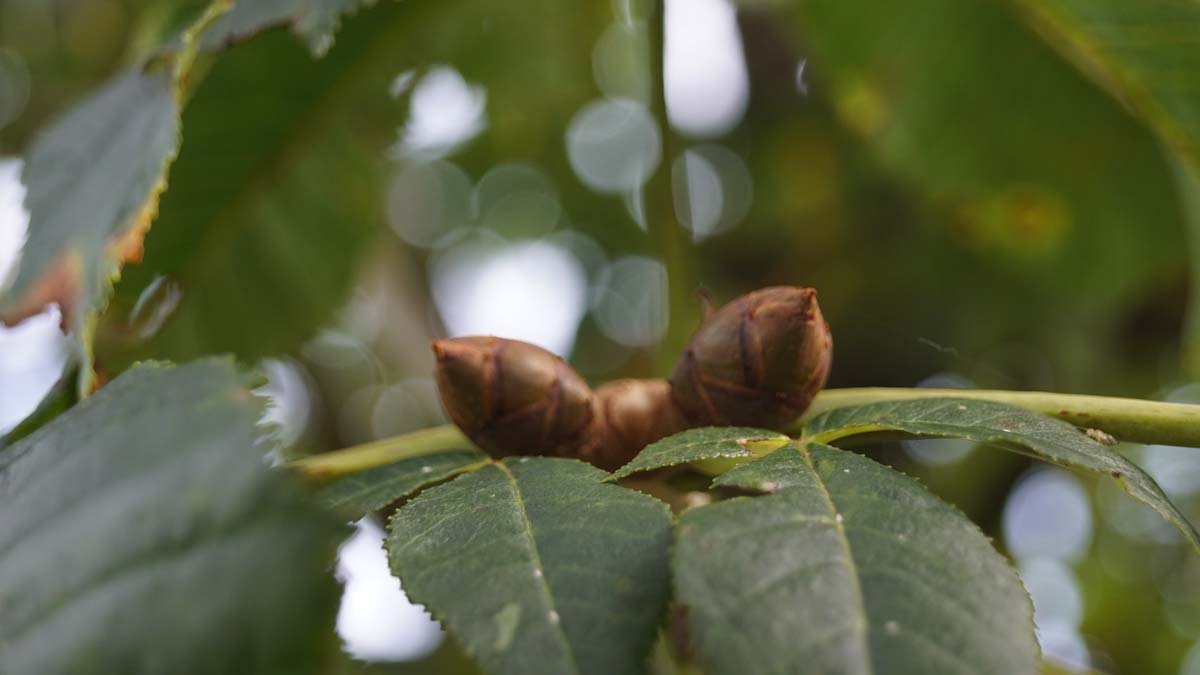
(1127, 419)
(668, 239)
(358, 458)
(192, 35)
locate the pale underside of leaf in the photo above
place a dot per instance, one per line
(92, 181)
(537, 566)
(274, 204)
(313, 21)
(141, 528)
(845, 567)
(700, 444)
(1003, 426)
(94, 177)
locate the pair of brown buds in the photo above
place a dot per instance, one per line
(757, 361)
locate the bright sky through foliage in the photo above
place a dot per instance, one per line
(32, 353)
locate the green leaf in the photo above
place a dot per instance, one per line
(1143, 53)
(143, 532)
(1128, 48)
(93, 180)
(274, 201)
(1003, 426)
(313, 21)
(848, 567)
(538, 567)
(357, 495)
(966, 105)
(700, 444)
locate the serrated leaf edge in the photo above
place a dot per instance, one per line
(435, 613)
(1011, 443)
(806, 455)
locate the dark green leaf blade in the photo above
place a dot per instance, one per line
(92, 181)
(982, 119)
(1107, 39)
(699, 444)
(847, 567)
(1144, 54)
(357, 495)
(1005, 426)
(538, 566)
(141, 529)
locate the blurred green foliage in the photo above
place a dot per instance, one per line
(964, 195)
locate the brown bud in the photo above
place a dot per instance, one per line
(629, 415)
(511, 397)
(757, 361)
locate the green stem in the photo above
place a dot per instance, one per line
(352, 460)
(1187, 181)
(191, 37)
(670, 241)
(1127, 419)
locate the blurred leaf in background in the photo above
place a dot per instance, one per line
(273, 203)
(984, 192)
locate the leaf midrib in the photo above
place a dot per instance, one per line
(863, 625)
(557, 628)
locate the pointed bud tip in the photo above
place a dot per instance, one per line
(783, 300)
(439, 349)
(448, 349)
(511, 397)
(756, 361)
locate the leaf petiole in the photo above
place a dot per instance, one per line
(431, 441)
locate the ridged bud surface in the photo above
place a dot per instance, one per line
(757, 361)
(511, 397)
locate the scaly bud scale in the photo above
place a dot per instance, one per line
(757, 361)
